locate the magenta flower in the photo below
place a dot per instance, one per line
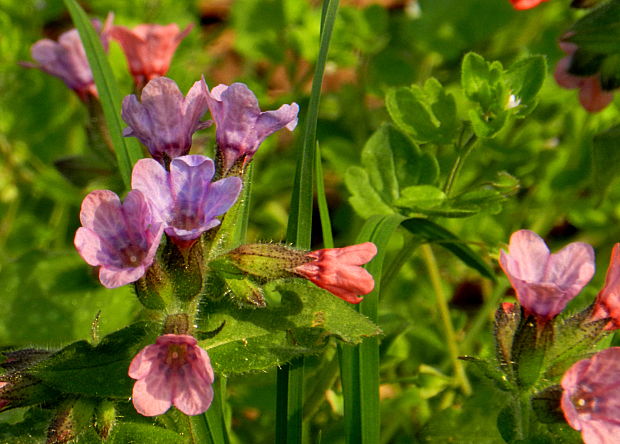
(165, 120)
(67, 60)
(121, 239)
(338, 270)
(149, 48)
(591, 94)
(546, 282)
(607, 304)
(241, 126)
(591, 397)
(173, 371)
(185, 199)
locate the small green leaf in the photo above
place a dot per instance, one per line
(365, 200)
(428, 114)
(598, 31)
(525, 78)
(431, 232)
(421, 197)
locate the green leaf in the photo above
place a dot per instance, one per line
(391, 162)
(598, 31)
(131, 432)
(428, 114)
(431, 232)
(421, 197)
(99, 371)
(258, 339)
(525, 78)
(127, 149)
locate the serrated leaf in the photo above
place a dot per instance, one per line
(431, 232)
(428, 114)
(365, 200)
(258, 339)
(99, 371)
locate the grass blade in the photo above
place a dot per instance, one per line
(290, 377)
(359, 365)
(127, 150)
(326, 226)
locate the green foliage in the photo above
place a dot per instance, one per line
(258, 339)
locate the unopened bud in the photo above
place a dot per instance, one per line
(268, 261)
(177, 324)
(246, 291)
(507, 319)
(184, 266)
(105, 418)
(71, 418)
(151, 286)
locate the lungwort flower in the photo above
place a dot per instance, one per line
(241, 126)
(591, 94)
(66, 59)
(546, 282)
(591, 397)
(120, 238)
(165, 120)
(526, 4)
(173, 371)
(149, 48)
(184, 198)
(607, 304)
(339, 271)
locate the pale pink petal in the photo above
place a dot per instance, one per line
(88, 244)
(563, 77)
(194, 394)
(572, 267)
(152, 396)
(115, 277)
(592, 97)
(142, 364)
(150, 177)
(528, 256)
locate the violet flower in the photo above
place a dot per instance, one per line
(165, 120)
(339, 271)
(184, 198)
(546, 282)
(591, 94)
(607, 304)
(173, 371)
(241, 126)
(120, 238)
(591, 397)
(149, 48)
(66, 59)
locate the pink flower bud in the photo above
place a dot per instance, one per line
(173, 371)
(149, 48)
(546, 282)
(607, 304)
(590, 397)
(526, 4)
(339, 271)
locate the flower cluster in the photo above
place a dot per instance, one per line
(544, 284)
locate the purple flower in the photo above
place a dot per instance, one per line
(67, 60)
(121, 239)
(546, 282)
(165, 120)
(173, 371)
(591, 397)
(241, 126)
(184, 198)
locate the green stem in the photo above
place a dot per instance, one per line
(463, 152)
(444, 312)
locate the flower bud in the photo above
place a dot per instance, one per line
(268, 261)
(105, 418)
(71, 418)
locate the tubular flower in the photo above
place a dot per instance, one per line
(66, 59)
(120, 238)
(149, 48)
(591, 390)
(591, 94)
(165, 120)
(173, 371)
(546, 282)
(607, 304)
(184, 198)
(526, 4)
(241, 125)
(338, 270)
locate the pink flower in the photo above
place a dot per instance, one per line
(546, 282)
(165, 120)
(526, 4)
(591, 94)
(121, 239)
(66, 59)
(173, 371)
(591, 397)
(607, 304)
(149, 48)
(241, 126)
(338, 270)
(184, 198)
